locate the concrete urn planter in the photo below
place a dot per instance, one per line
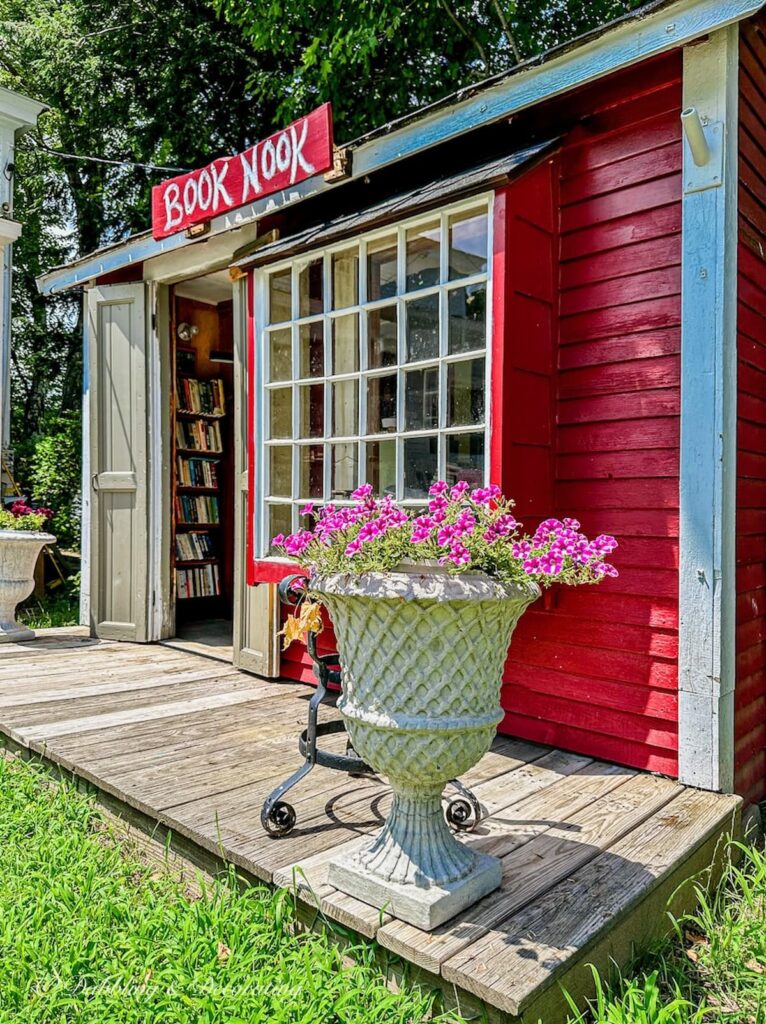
(19, 551)
(422, 652)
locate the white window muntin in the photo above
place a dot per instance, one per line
(363, 373)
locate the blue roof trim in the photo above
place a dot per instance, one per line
(629, 40)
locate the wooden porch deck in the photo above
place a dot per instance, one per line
(591, 851)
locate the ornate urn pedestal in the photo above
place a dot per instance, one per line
(19, 552)
(422, 654)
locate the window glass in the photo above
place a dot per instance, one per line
(381, 337)
(281, 354)
(375, 382)
(280, 296)
(311, 288)
(422, 328)
(465, 393)
(381, 467)
(467, 244)
(345, 278)
(311, 343)
(423, 256)
(345, 344)
(467, 318)
(281, 471)
(281, 421)
(311, 471)
(381, 268)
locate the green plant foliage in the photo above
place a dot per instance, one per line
(89, 933)
(377, 59)
(54, 475)
(712, 970)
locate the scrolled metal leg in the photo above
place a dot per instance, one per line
(463, 812)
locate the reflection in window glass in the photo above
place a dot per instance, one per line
(280, 296)
(281, 471)
(345, 408)
(465, 393)
(421, 465)
(311, 288)
(381, 337)
(381, 404)
(465, 458)
(423, 244)
(281, 412)
(467, 244)
(311, 471)
(345, 344)
(311, 339)
(421, 399)
(345, 278)
(467, 318)
(281, 354)
(344, 469)
(280, 520)
(311, 410)
(381, 268)
(381, 466)
(423, 328)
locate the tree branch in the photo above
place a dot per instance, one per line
(466, 32)
(507, 30)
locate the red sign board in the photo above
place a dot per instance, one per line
(297, 152)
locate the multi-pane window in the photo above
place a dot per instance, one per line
(373, 356)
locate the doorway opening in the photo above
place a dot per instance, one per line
(202, 464)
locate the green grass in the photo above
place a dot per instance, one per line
(712, 969)
(91, 933)
(62, 609)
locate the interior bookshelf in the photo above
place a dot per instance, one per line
(201, 466)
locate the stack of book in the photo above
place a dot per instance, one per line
(201, 396)
(199, 436)
(194, 547)
(197, 472)
(204, 581)
(197, 508)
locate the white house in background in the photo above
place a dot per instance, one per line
(17, 114)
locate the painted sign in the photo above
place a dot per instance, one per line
(297, 152)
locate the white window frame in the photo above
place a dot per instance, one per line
(263, 328)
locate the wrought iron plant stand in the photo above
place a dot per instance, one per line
(463, 811)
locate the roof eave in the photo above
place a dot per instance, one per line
(631, 39)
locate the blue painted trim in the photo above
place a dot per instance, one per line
(630, 41)
(707, 512)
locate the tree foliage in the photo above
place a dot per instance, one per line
(176, 82)
(377, 59)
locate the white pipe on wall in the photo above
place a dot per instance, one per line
(695, 136)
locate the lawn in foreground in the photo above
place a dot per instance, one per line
(91, 933)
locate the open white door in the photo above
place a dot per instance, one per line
(256, 609)
(118, 462)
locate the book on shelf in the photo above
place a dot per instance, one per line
(199, 436)
(202, 581)
(205, 396)
(197, 508)
(194, 547)
(194, 472)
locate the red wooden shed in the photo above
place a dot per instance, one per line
(553, 281)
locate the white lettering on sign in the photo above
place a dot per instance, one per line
(220, 195)
(279, 162)
(172, 194)
(250, 180)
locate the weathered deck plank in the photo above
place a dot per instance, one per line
(589, 850)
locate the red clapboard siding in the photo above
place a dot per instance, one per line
(750, 691)
(595, 670)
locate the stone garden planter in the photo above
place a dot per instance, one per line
(19, 552)
(422, 654)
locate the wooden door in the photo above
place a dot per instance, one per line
(118, 462)
(256, 608)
